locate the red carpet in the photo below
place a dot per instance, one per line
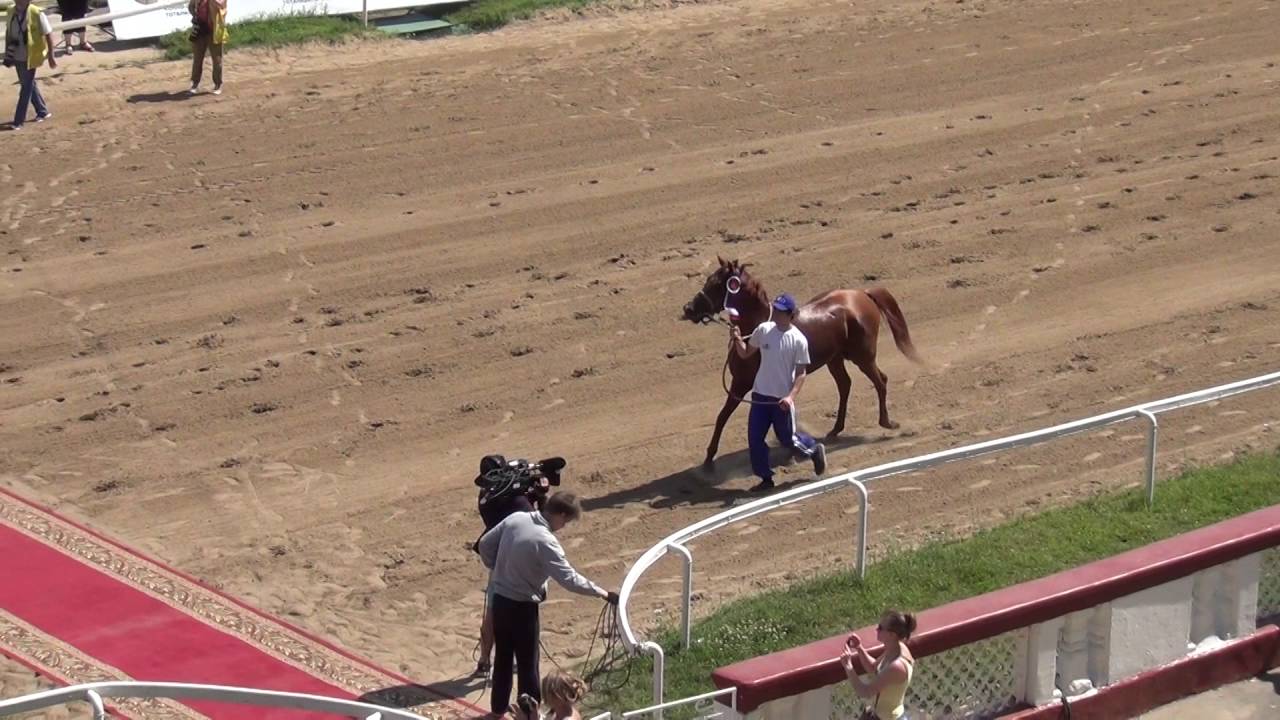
(78, 607)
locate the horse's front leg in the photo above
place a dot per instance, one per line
(731, 403)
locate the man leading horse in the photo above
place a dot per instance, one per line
(838, 325)
(784, 357)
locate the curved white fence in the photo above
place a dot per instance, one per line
(96, 693)
(677, 541)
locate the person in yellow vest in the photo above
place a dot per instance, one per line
(28, 41)
(208, 35)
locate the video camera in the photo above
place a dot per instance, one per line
(500, 478)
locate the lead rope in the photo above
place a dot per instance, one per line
(613, 653)
(724, 371)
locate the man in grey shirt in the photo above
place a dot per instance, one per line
(523, 553)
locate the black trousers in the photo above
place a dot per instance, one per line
(515, 637)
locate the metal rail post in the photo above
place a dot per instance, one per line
(95, 701)
(686, 609)
(1153, 434)
(861, 551)
(659, 673)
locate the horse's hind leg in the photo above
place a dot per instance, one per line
(843, 383)
(881, 381)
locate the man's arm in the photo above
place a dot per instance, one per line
(795, 387)
(47, 30)
(801, 360)
(488, 545)
(559, 569)
(742, 348)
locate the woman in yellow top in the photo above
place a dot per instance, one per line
(208, 34)
(893, 670)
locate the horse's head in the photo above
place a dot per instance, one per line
(729, 276)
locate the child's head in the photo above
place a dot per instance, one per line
(561, 690)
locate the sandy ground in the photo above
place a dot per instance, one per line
(267, 336)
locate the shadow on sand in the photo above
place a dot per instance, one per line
(702, 485)
(160, 97)
(1273, 677)
(409, 696)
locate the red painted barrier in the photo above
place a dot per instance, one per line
(809, 667)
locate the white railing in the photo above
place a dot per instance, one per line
(678, 541)
(96, 693)
(104, 18)
(707, 706)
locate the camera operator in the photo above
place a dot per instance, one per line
(523, 553)
(494, 510)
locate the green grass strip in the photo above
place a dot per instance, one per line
(944, 571)
(271, 32)
(493, 14)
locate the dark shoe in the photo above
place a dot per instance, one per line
(820, 459)
(763, 486)
(482, 669)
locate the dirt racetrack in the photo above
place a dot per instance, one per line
(267, 336)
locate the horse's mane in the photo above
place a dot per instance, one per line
(752, 287)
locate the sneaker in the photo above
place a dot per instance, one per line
(193, 90)
(820, 459)
(217, 89)
(763, 486)
(42, 118)
(482, 669)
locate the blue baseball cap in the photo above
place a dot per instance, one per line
(785, 303)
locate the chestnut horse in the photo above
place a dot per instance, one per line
(839, 325)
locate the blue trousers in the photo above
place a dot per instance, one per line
(767, 413)
(28, 93)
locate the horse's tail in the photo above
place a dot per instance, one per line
(897, 322)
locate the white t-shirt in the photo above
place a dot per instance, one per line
(782, 355)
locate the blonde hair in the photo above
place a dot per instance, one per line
(563, 686)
